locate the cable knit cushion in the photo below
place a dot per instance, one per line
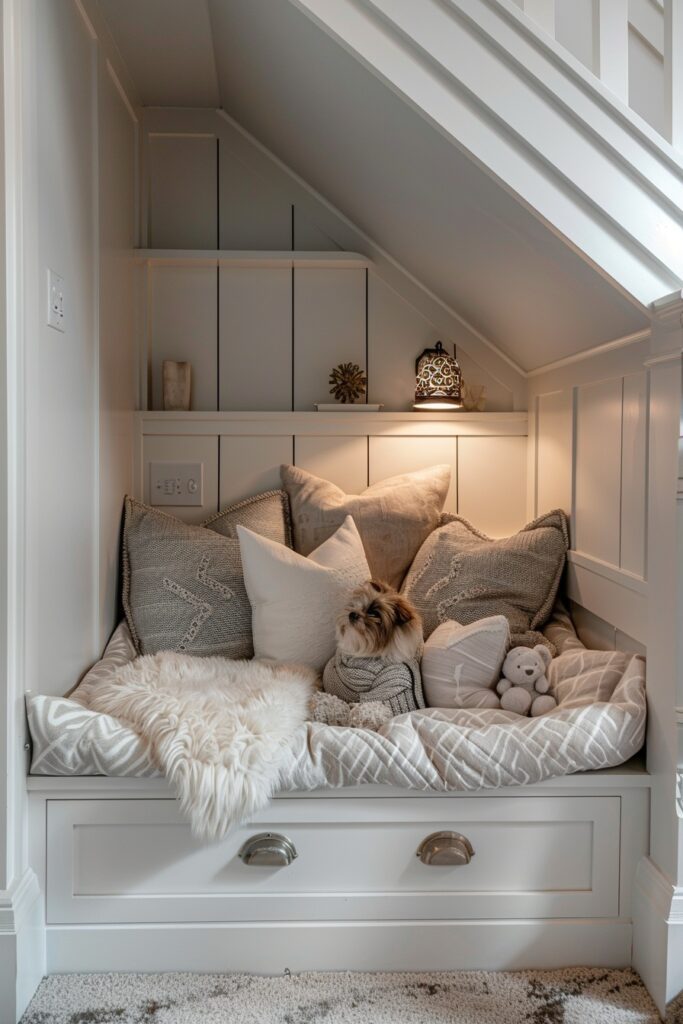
(397, 685)
(460, 573)
(295, 600)
(393, 516)
(266, 514)
(183, 588)
(461, 664)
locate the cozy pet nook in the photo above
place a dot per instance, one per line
(341, 505)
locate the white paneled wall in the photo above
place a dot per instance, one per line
(492, 483)
(389, 456)
(553, 451)
(343, 460)
(590, 457)
(634, 473)
(184, 325)
(251, 464)
(329, 328)
(597, 482)
(252, 214)
(255, 338)
(591, 460)
(264, 337)
(242, 456)
(183, 204)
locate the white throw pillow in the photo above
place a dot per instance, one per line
(461, 665)
(295, 600)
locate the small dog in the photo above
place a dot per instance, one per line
(378, 623)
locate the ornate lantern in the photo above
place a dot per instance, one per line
(439, 380)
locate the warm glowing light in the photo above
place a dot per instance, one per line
(438, 383)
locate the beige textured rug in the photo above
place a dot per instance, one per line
(570, 996)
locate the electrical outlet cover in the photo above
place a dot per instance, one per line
(176, 483)
(55, 301)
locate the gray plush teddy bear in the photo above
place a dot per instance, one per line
(524, 686)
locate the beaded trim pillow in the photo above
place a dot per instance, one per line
(460, 573)
(183, 586)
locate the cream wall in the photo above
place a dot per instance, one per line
(80, 384)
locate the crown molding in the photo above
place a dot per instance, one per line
(669, 309)
(590, 353)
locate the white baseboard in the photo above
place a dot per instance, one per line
(335, 946)
(22, 946)
(658, 933)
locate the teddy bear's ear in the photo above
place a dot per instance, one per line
(544, 653)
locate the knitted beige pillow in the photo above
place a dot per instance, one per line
(460, 573)
(183, 588)
(394, 517)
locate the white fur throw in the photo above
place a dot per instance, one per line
(217, 728)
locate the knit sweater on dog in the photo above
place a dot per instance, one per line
(355, 680)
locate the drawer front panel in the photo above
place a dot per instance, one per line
(136, 860)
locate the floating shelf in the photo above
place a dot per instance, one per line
(251, 258)
(321, 424)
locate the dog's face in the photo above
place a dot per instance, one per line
(378, 622)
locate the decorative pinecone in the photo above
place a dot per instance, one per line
(348, 382)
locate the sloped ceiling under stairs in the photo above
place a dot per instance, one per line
(309, 101)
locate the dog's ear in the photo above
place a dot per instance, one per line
(379, 586)
(403, 613)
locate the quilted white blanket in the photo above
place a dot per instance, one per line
(599, 723)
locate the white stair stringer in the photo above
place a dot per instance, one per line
(533, 119)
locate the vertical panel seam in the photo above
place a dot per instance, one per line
(367, 349)
(573, 524)
(457, 474)
(218, 337)
(292, 343)
(621, 476)
(218, 194)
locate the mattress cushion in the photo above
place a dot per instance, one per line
(599, 723)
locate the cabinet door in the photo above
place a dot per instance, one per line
(329, 328)
(255, 338)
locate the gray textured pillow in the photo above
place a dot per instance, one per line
(183, 588)
(462, 574)
(393, 517)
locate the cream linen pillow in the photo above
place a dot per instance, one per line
(295, 601)
(394, 517)
(461, 665)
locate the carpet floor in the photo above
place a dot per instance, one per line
(570, 996)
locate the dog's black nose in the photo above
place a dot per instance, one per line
(529, 671)
(353, 616)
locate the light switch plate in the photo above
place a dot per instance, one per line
(176, 483)
(55, 301)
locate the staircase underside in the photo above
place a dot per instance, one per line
(455, 138)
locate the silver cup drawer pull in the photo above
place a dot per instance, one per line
(268, 849)
(445, 849)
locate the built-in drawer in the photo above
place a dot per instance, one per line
(534, 857)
